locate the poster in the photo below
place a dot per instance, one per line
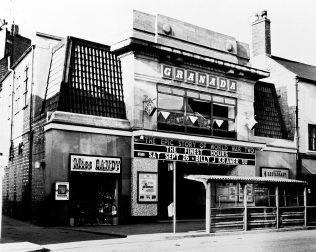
(147, 187)
(249, 189)
(226, 192)
(62, 191)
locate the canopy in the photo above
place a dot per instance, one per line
(309, 166)
(237, 179)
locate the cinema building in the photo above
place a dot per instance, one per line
(123, 130)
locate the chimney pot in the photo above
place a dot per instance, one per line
(264, 14)
(261, 35)
(14, 29)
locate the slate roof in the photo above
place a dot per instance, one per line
(268, 112)
(85, 78)
(303, 71)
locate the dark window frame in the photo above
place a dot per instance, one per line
(312, 139)
(196, 128)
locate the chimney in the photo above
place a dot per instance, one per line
(261, 35)
(14, 29)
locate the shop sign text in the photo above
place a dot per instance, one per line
(203, 79)
(95, 164)
(275, 172)
(192, 151)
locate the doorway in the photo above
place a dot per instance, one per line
(94, 198)
(190, 202)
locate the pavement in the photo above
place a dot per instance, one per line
(26, 236)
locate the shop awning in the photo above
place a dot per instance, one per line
(237, 179)
(309, 166)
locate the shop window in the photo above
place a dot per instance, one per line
(189, 113)
(312, 137)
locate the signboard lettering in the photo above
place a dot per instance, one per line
(94, 164)
(202, 79)
(275, 172)
(192, 151)
(179, 74)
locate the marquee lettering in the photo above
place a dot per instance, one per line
(193, 151)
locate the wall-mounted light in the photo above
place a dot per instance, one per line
(149, 106)
(251, 122)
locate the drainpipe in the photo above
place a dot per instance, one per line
(297, 130)
(31, 133)
(12, 103)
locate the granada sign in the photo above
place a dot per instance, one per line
(201, 79)
(94, 164)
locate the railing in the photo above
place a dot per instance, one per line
(262, 217)
(233, 218)
(227, 218)
(292, 216)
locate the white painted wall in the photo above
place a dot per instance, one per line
(307, 112)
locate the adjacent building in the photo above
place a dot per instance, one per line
(295, 85)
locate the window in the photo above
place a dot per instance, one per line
(25, 87)
(312, 137)
(196, 113)
(10, 107)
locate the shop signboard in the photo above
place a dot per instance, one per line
(202, 79)
(147, 187)
(84, 163)
(274, 172)
(62, 191)
(193, 151)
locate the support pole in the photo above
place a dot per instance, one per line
(305, 207)
(208, 207)
(174, 196)
(245, 207)
(277, 206)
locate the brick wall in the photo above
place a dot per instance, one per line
(38, 156)
(16, 182)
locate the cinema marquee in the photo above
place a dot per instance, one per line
(192, 151)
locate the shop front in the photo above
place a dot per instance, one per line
(94, 189)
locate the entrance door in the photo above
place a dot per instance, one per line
(190, 202)
(93, 197)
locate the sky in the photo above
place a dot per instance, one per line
(293, 22)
